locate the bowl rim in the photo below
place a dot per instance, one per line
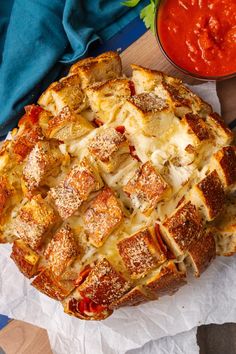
(181, 69)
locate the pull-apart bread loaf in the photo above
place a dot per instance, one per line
(113, 189)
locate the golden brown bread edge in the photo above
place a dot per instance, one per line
(153, 259)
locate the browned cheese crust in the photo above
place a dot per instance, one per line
(175, 96)
(67, 92)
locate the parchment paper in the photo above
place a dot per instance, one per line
(210, 299)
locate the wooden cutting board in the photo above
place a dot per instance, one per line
(21, 338)
(145, 51)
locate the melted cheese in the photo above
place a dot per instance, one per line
(161, 139)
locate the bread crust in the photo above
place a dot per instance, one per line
(103, 215)
(202, 252)
(182, 228)
(225, 163)
(61, 250)
(211, 194)
(112, 188)
(104, 67)
(110, 148)
(134, 297)
(67, 125)
(25, 258)
(167, 281)
(196, 127)
(48, 284)
(146, 188)
(34, 221)
(141, 253)
(80, 182)
(104, 284)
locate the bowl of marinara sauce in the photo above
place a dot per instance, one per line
(199, 36)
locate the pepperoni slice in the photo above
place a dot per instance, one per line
(83, 275)
(120, 129)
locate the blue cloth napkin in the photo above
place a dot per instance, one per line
(39, 37)
(3, 322)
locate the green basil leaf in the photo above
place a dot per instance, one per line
(147, 14)
(130, 3)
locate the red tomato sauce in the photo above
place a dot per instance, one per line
(199, 35)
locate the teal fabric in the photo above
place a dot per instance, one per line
(39, 37)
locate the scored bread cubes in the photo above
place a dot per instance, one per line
(28, 134)
(181, 99)
(202, 252)
(81, 181)
(196, 128)
(104, 284)
(148, 111)
(25, 258)
(145, 80)
(167, 281)
(66, 92)
(224, 162)
(182, 228)
(114, 188)
(107, 98)
(84, 308)
(209, 195)
(103, 215)
(5, 194)
(67, 125)
(34, 221)
(141, 253)
(219, 129)
(104, 67)
(43, 161)
(52, 286)
(225, 230)
(146, 188)
(10, 197)
(110, 148)
(135, 296)
(61, 250)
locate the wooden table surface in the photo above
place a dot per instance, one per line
(145, 51)
(21, 338)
